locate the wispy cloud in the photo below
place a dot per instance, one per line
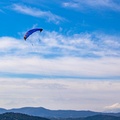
(97, 4)
(94, 44)
(98, 54)
(37, 13)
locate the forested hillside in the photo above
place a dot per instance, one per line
(19, 116)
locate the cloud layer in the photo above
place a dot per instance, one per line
(88, 55)
(48, 70)
(74, 68)
(59, 94)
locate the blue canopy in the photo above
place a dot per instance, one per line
(28, 33)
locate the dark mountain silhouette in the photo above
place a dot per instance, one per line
(96, 117)
(102, 117)
(19, 116)
(42, 112)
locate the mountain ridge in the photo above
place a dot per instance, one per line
(47, 113)
(20, 116)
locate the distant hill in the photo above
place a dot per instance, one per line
(102, 117)
(2, 110)
(96, 117)
(42, 112)
(19, 116)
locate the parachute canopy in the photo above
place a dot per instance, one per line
(28, 33)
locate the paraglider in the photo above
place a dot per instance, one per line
(28, 33)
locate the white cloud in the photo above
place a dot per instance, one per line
(37, 13)
(66, 66)
(19, 57)
(11, 46)
(71, 4)
(94, 44)
(77, 94)
(76, 56)
(97, 4)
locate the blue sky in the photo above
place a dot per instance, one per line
(73, 64)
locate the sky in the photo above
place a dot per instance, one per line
(74, 63)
